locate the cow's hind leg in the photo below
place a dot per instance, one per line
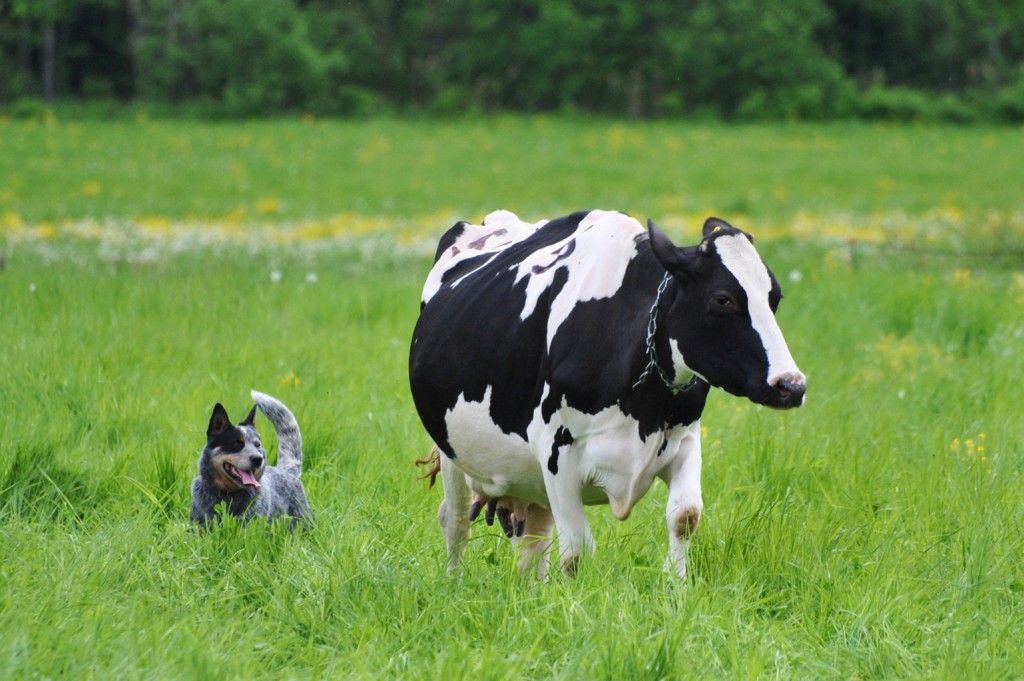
(453, 515)
(685, 503)
(533, 546)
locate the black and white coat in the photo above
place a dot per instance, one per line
(567, 363)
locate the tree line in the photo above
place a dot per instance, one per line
(957, 60)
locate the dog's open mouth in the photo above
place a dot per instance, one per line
(243, 478)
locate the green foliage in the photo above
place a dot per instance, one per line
(16, 83)
(952, 109)
(254, 55)
(742, 60)
(1008, 104)
(250, 57)
(904, 105)
(753, 59)
(30, 108)
(894, 104)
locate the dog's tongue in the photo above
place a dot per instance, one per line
(248, 479)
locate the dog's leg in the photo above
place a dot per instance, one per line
(453, 515)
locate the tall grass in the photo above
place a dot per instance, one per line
(874, 533)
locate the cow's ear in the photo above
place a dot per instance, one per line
(675, 259)
(218, 421)
(664, 250)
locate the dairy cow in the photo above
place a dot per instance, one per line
(567, 362)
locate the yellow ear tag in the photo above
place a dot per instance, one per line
(718, 228)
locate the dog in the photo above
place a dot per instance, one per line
(233, 468)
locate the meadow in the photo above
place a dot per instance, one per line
(151, 268)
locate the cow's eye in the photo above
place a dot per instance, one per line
(722, 303)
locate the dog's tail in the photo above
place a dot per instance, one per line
(289, 439)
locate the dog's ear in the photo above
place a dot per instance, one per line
(219, 421)
(250, 420)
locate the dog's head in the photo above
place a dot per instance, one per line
(234, 458)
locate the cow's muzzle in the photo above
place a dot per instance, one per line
(789, 390)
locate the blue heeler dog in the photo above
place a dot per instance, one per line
(233, 468)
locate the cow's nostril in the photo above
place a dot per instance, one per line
(790, 389)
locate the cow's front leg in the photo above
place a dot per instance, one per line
(685, 504)
(453, 515)
(565, 494)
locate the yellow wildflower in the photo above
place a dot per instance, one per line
(268, 205)
(9, 220)
(961, 277)
(374, 147)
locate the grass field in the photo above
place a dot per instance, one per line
(153, 268)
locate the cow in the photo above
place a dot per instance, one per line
(567, 362)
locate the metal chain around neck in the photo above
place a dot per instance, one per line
(652, 351)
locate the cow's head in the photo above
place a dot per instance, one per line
(722, 324)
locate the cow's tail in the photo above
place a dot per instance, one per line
(289, 439)
(433, 460)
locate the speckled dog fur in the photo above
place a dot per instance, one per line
(233, 468)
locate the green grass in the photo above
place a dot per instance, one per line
(874, 533)
(546, 165)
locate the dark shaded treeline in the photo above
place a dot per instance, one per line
(744, 59)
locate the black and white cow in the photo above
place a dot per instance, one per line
(566, 363)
